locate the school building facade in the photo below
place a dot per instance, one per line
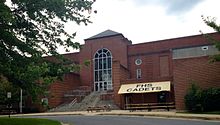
(151, 72)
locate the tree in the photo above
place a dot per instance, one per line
(31, 29)
(212, 23)
(5, 87)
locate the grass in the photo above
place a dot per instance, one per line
(27, 121)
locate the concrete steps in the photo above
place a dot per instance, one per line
(91, 100)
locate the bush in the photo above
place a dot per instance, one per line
(193, 99)
(197, 100)
(211, 99)
(31, 110)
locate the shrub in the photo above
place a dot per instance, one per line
(211, 99)
(197, 100)
(193, 99)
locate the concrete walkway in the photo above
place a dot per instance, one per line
(169, 114)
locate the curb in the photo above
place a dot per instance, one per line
(123, 113)
(176, 115)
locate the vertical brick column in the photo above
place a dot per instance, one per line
(116, 81)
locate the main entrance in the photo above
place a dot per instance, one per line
(102, 70)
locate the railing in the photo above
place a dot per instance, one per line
(74, 101)
(150, 106)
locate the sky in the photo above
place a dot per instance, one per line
(148, 20)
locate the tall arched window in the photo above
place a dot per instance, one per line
(103, 70)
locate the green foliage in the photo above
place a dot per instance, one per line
(211, 22)
(31, 29)
(193, 98)
(5, 87)
(197, 100)
(211, 99)
(27, 121)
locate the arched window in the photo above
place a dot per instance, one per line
(103, 70)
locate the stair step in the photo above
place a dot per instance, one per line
(91, 100)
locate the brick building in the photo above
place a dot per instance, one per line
(150, 72)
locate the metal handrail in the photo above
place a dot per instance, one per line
(74, 101)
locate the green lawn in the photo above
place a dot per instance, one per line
(27, 121)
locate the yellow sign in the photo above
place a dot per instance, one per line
(145, 87)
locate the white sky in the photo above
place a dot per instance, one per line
(148, 20)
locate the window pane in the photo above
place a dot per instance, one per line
(105, 50)
(100, 51)
(104, 63)
(138, 73)
(109, 63)
(96, 87)
(109, 75)
(96, 64)
(109, 86)
(100, 63)
(96, 75)
(108, 54)
(104, 55)
(105, 85)
(96, 55)
(101, 55)
(100, 75)
(104, 75)
(100, 86)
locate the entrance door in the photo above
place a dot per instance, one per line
(161, 97)
(99, 86)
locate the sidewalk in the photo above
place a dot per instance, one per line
(128, 113)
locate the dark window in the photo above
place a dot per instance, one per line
(96, 55)
(109, 62)
(105, 63)
(138, 73)
(96, 64)
(161, 97)
(100, 75)
(105, 50)
(96, 76)
(100, 63)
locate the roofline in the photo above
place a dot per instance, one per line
(104, 36)
(164, 40)
(208, 44)
(70, 53)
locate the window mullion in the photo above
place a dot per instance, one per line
(103, 54)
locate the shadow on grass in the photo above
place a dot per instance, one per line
(27, 121)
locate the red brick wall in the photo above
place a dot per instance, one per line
(116, 82)
(164, 45)
(199, 69)
(124, 73)
(86, 71)
(117, 45)
(70, 82)
(74, 57)
(120, 73)
(164, 66)
(157, 65)
(150, 67)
